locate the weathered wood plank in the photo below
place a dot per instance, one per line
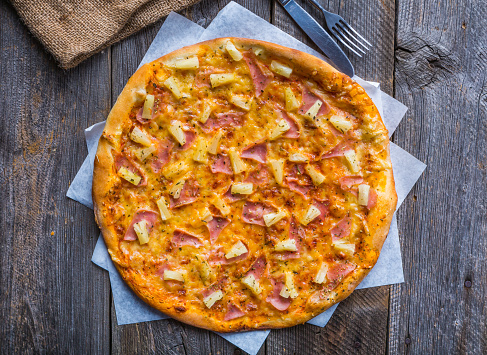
(52, 299)
(359, 324)
(441, 76)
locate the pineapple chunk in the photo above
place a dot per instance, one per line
(352, 161)
(175, 191)
(281, 69)
(238, 165)
(173, 276)
(313, 110)
(176, 129)
(221, 79)
(221, 205)
(321, 275)
(344, 247)
(243, 102)
(129, 176)
(258, 51)
(311, 214)
(139, 94)
(204, 270)
(292, 102)
(272, 218)
(340, 123)
(215, 143)
(188, 63)
(286, 245)
(148, 107)
(298, 158)
(315, 175)
(142, 232)
(242, 188)
(206, 215)
(210, 300)
(238, 249)
(281, 128)
(173, 85)
(206, 113)
(176, 169)
(234, 52)
(200, 153)
(252, 283)
(363, 194)
(289, 290)
(139, 136)
(277, 167)
(143, 153)
(162, 204)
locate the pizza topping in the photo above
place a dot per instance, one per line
(221, 164)
(372, 199)
(340, 123)
(321, 275)
(176, 130)
(260, 78)
(223, 119)
(187, 64)
(150, 217)
(337, 272)
(164, 148)
(238, 165)
(221, 205)
(275, 298)
(314, 109)
(218, 257)
(281, 69)
(251, 282)
(175, 191)
(242, 188)
(215, 226)
(241, 101)
(173, 85)
(210, 300)
(309, 100)
(237, 249)
(139, 136)
(341, 229)
(188, 194)
(288, 249)
(257, 268)
(177, 169)
(286, 245)
(347, 182)
(344, 247)
(231, 197)
(201, 149)
(129, 171)
(233, 313)
(300, 189)
(182, 238)
(272, 218)
(142, 232)
(277, 167)
(257, 152)
(253, 212)
(317, 177)
(162, 205)
(221, 79)
(292, 102)
(338, 151)
(288, 290)
(173, 276)
(215, 142)
(148, 107)
(206, 113)
(258, 176)
(298, 157)
(324, 207)
(234, 52)
(311, 214)
(129, 176)
(293, 131)
(352, 161)
(143, 153)
(190, 137)
(281, 128)
(363, 194)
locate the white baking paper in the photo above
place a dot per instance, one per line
(234, 20)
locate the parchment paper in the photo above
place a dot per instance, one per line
(234, 20)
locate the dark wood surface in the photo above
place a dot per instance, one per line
(430, 55)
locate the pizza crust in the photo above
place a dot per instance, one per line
(104, 178)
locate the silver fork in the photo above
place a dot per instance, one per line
(342, 31)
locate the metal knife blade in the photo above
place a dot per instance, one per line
(319, 36)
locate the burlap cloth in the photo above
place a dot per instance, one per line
(74, 30)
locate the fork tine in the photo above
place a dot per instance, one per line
(348, 39)
(348, 35)
(347, 26)
(339, 36)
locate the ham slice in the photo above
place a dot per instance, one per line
(190, 138)
(140, 215)
(260, 76)
(275, 299)
(338, 151)
(233, 197)
(342, 229)
(233, 312)
(123, 161)
(217, 257)
(216, 226)
(164, 149)
(337, 273)
(324, 207)
(260, 176)
(222, 164)
(309, 99)
(297, 234)
(298, 173)
(253, 212)
(202, 79)
(293, 131)
(189, 194)
(300, 189)
(142, 120)
(257, 152)
(182, 238)
(258, 267)
(223, 119)
(372, 199)
(347, 182)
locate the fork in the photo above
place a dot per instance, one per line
(342, 31)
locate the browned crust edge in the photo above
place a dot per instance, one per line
(104, 177)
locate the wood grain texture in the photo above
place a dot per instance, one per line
(441, 76)
(52, 299)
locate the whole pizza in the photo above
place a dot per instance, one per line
(243, 185)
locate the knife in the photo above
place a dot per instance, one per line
(319, 36)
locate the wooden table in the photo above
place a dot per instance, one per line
(428, 54)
